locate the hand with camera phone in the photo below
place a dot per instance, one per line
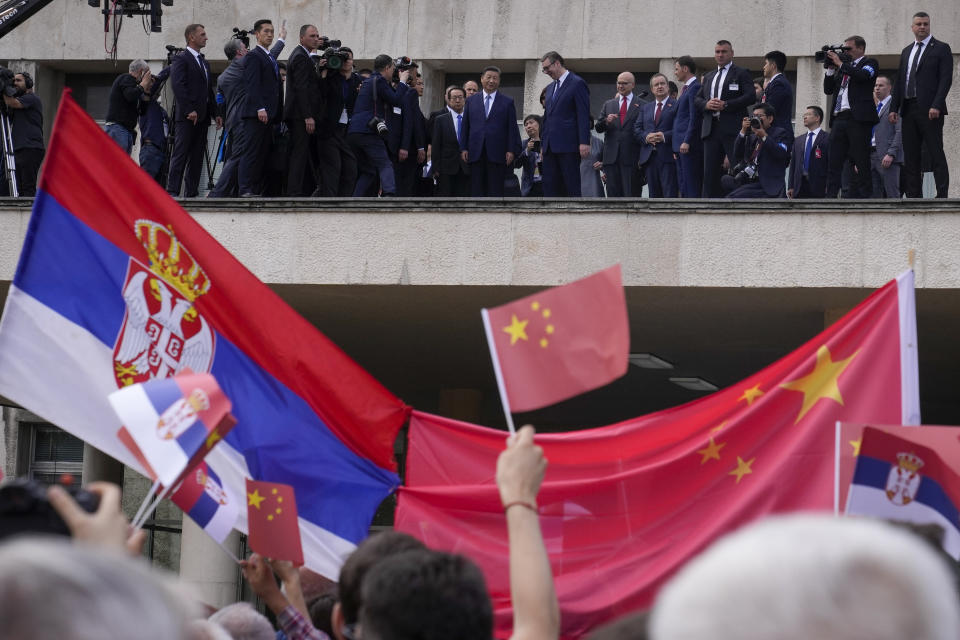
(106, 527)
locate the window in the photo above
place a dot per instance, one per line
(54, 452)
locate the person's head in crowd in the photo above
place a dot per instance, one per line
(811, 576)
(263, 32)
(23, 82)
(455, 97)
(138, 69)
(490, 79)
(673, 89)
(881, 89)
(543, 97)
(243, 622)
(659, 87)
(383, 64)
(773, 63)
(625, 83)
(234, 49)
(630, 627)
(684, 68)
(321, 612)
(532, 124)
(195, 36)
(552, 64)
(758, 87)
(365, 73)
(347, 68)
(765, 112)
(309, 37)
(418, 85)
(282, 70)
(858, 46)
(367, 554)
(812, 117)
(470, 87)
(722, 53)
(206, 630)
(53, 588)
(426, 595)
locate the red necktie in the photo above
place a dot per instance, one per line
(656, 116)
(623, 110)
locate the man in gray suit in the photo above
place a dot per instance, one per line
(620, 150)
(886, 155)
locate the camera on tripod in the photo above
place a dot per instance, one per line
(841, 51)
(173, 52)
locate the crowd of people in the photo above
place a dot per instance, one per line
(316, 126)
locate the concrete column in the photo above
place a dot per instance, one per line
(433, 88)
(666, 68)
(809, 90)
(534, 80)
(951, 130)
(461, 404)
(210, 573)
(98, 466)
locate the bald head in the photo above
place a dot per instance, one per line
(625, 83)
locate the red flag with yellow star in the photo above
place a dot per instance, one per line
(561, 342)
(624, 506)
(273, 526)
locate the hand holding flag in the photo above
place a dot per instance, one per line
(273, 526)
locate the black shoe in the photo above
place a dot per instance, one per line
(249, 195)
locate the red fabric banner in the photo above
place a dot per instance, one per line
(274, 530)
(624, 506)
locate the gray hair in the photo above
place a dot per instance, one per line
(51, 588)
(807, 576)
(243, 622)
(232, 48)
(206, 630)
(138, 65)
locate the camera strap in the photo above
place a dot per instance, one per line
(375, 77)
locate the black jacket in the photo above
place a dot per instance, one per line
(863, 75)
(304, 98)
(934, 77)
(738, 93)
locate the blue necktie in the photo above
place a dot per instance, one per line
(487, 110)
(873, 132)
(806, 153)
(459, 126)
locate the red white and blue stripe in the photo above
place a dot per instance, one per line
(203, 497)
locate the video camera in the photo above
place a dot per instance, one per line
(242, 35)
(331, 53)
(173, 52)
(745, 172)
(403, 63)
(841, 51)
(24, 508)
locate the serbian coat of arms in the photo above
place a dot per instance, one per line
(903, 481)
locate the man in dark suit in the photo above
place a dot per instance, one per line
(723, 98)
(565, 136)
(854, 114)
(490, 139)
(617, 119)
(767, 148)
(687, 146)
(303, 112)
(778, 93)
(654, 132)
(338, 164)
(195, 106)
(412, 150)
(920, 99)
(808, 165)
(453, 173)
(261, 77)
(886, 148)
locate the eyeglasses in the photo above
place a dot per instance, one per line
(545, 68)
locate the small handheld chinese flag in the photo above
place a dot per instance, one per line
(561, 342)
(273, 529)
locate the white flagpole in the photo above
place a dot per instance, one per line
(836, 472)
(146, 501)
(497, 370)
(138, 524)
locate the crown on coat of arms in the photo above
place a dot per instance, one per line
(170, 260)
(909, 462)
(198, 401)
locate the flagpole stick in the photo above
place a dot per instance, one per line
(836, 472)
(139, 524)
(498, 372)
(146, 500)
(229, 553)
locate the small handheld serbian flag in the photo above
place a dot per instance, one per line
(900, 480)
(208, 501)
(170, 424)
(273, 527)
(561, 342)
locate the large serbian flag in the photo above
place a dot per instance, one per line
(624, 506)
(117, 285)
(560, 342)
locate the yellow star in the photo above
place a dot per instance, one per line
(712, 451)
(544, 342)
(750, 395)
(212, 439)
(743, 468)
(517, 330)
(255, 498)
(821, 382)
(856, 446)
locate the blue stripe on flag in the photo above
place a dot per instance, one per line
(162, 394)
(192, 440)
(871, 472)
(204, 509)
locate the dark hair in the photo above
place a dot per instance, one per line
(27, 79)
(758, 80)
(490, 68)
(258, 25)
(673, 86)
(367, 554)
(232, 48)
(320, 610)
(766, 107)
(778, 58)
(553, 56)
(347, 50)
(454, 87)
(303, 29)
(428, 595)
(282, 65)
(817, 110)
(543, 95)
(688, 62)
(365, 70)
(381, 62)
(533, 116)
(659, 75)
(921, 14)
(887, 78)
(726, 42)
(858, 41)
(189, 31)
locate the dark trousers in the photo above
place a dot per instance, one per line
(804, 190)
(151, 161)
(252, 152)
(849, 138)
(405, 174)
(623, 180)
(561, 174)
(186, 160)
(28, 167)
(749, 190)
(372, 163)
(715, 147)
(662, 176)
(227, 186)
(338, 164)
(301, 171)
(918, 130)
(690, 173)
(486, 177)
(456, 185)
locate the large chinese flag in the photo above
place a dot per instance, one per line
(624, 506)
(561, 342)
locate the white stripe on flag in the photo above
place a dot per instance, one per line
(139, 416)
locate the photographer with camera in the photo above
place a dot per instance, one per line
(367, 129)
(123, 107)
(154, 126)
(850, 77)
(26, 122)
(303, 112)
(762, 153)
(338, 164)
